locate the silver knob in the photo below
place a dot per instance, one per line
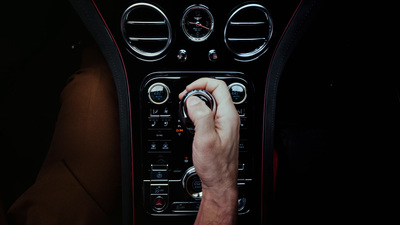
(192, 184)
(182, 55)
(212, 55)
(203, 95)
(158, 93)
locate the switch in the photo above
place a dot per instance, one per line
(182, 55)
(212, 55)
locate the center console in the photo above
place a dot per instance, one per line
(163, 47)
(170, 184)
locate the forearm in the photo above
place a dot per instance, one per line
(218, 207)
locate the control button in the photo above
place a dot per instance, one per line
(182, 55)
(192, 183)
(238, 92)
(158, 93)
(161, 146)
(212, 55)
(159, 122)
(165, 112)
(185, 207)
(180, 206)
(165, 146)
(153, 123)
(196, 183)
(159, 189)
(165, 123)
(159, 203)
(159, 135)
(154, 112)
(153, 146)
(159, 175)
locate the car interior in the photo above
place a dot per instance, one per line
(310, 110)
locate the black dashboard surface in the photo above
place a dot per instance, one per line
(169, 44)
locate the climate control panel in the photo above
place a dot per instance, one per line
(169, 183)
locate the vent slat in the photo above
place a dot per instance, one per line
(146, 30)
(148, 38)
(246, 23)
(246, 39)
(248, 32)
(146, 22)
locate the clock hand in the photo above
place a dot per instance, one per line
(200, 25)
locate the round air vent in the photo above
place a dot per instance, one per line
(248, 32)
(146, 30)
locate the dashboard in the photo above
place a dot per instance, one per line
(164, 46)
(329, 110)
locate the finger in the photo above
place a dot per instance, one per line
(220, 92)
(227, 117)
(183, 93)
(200, 114)
(216, 87)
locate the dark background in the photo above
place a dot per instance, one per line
(337, 119)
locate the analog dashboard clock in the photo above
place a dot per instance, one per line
(197, 23)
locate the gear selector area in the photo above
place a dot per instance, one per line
(205, 96)
(169, 182)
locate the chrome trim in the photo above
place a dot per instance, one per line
(158, 184)
(246, 23)
(137, 52)
(147, 39)
(252, 55)
(245, 93)
(188, 9)
(191, 171)
(146, 22)
(246, 39)
(158, 103)
(198, 92)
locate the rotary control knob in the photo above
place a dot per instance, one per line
(158, 93)
(192, 184)
(238, 93)
(203, 95)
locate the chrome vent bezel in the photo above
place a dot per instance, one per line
(233, 23)
(145, 37)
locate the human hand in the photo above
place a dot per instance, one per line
(215, 151)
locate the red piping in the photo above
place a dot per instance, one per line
(129, 102)
(275, 160)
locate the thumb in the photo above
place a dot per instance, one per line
(200, 114)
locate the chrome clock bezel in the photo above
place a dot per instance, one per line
(184, 19)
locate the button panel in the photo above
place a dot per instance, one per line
(167, 144)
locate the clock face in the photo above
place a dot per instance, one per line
(197, 23)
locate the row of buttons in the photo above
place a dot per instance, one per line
(159, 146)
(159, 93)
(159, 122)
(183, 55)
(159, 188)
